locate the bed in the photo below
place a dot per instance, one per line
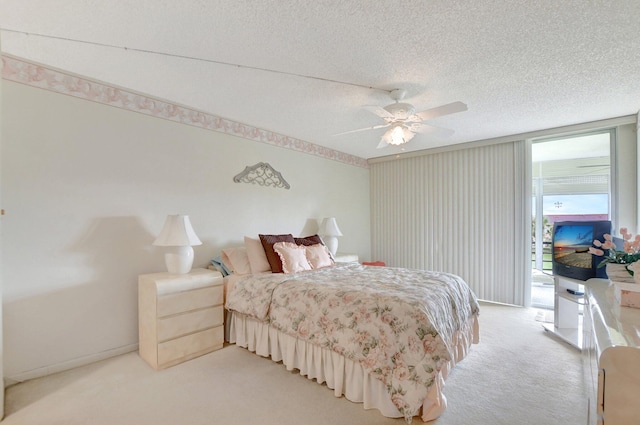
(385, 337)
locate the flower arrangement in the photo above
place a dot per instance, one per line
(629, 254)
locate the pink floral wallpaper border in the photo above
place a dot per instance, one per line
(21, 71)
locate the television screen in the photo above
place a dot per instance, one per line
(571, 243)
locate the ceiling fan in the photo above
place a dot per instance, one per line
(405, 122)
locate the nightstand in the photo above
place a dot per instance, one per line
(342, 257)
(180, 317)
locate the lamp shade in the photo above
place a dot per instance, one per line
(177, 231)
(329, 229)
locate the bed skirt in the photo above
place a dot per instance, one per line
(346, 377)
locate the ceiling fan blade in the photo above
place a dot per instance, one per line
(431, 129)
(382, 144)
(379, 111)
(363, 129)
(449, 108)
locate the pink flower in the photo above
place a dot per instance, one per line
(596, 251)
(413, 344)
(627, 247)
(630, 250)
(387, 317)
(401, 372)
(326, 324)
(625, 233)
(373, 357)
(349, 297)
(398, 401)
(361, 337)
(304, 329)
(429, 343)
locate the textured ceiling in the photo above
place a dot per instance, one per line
(305, 68)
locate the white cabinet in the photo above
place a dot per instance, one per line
(567, 318)
(609, 337)
(179, 316)
(612, 357)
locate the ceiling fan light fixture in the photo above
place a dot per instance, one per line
(404, 122)
(399, 134)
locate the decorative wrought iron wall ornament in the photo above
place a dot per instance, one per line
(262, 174)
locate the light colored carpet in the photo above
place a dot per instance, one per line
(516, 375)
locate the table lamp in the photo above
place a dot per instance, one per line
(329, 231)
(178, 233)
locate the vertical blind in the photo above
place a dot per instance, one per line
(462, 212)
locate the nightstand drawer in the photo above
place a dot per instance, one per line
(190, 345)
(189, 300)
(174, 326)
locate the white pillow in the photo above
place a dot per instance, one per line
(293, 257)
(318, 256)
(236, 260)
(257, 258)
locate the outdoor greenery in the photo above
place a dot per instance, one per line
(547, 228)
(546, 257)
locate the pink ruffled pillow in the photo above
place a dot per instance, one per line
(293, 257)
(318, 256)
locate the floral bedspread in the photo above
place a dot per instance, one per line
(395, 322)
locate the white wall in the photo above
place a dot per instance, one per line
(1, 285)
(86, 188)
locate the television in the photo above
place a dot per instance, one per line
(570, 248)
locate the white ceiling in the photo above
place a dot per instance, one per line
(305, 68)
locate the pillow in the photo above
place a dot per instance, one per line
(313, 240)
(292, 256)
(257, 258)
(374, 263)
(318, 256)
(218, 265)
(236, 260)
(272, 257)
(309, 240)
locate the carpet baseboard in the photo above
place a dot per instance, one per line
(71, 364)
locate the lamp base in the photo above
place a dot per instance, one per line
(179, 260)
(332, 243)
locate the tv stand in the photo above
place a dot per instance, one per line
(567, 309)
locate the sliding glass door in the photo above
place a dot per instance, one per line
(571, 181)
